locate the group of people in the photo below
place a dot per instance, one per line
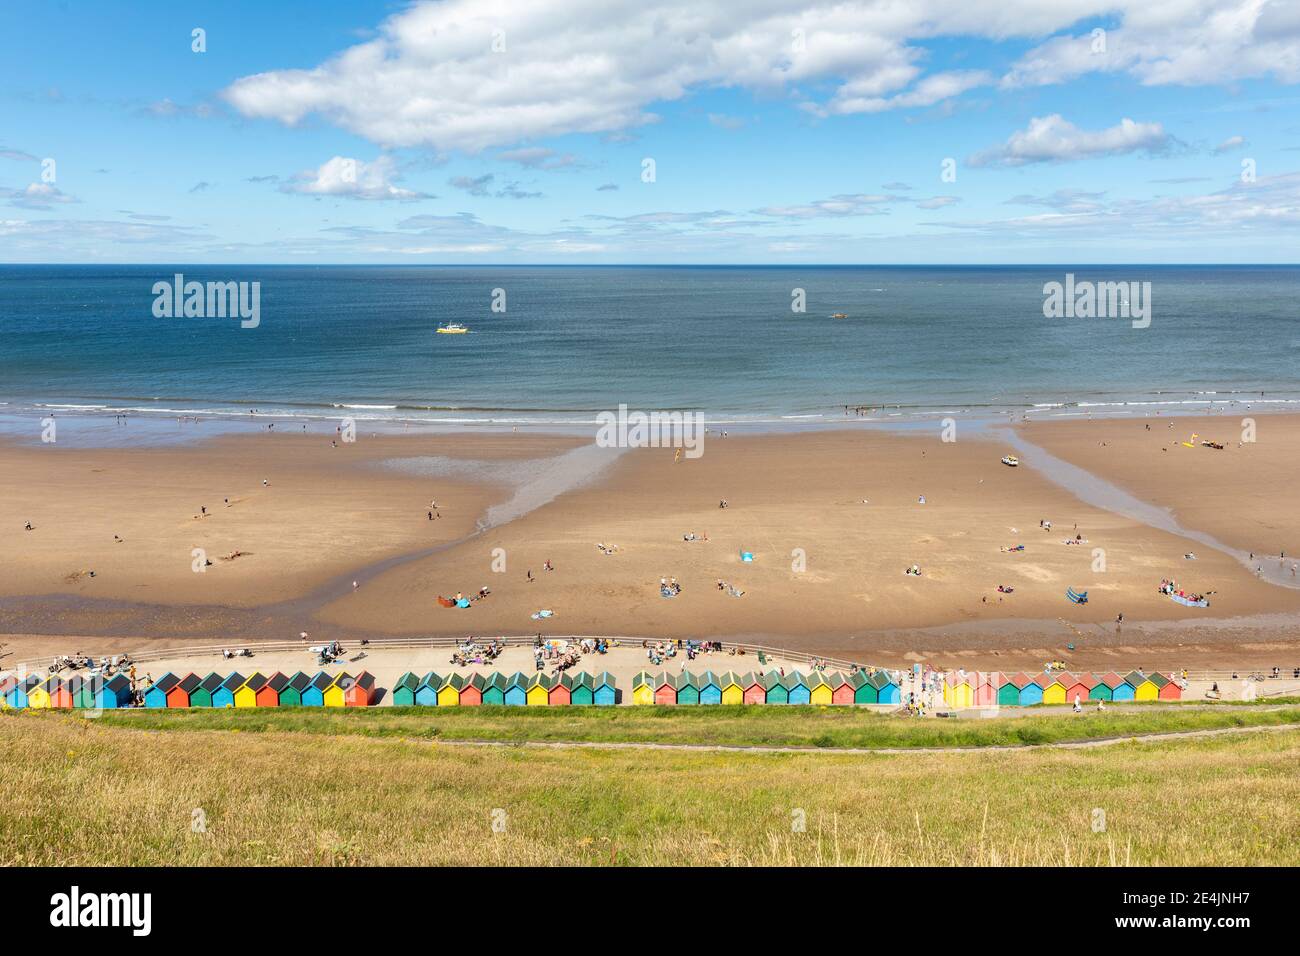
(1168, 586)
(79, 660)
(471, 651)
(730, 588)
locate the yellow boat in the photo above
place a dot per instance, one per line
(452, 328)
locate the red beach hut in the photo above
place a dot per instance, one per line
(755, 689)
(561, 692)
(471, 695)
(665, 689)
(841, 689)
(1077, 686)
(362, 691)
(268, 695)
(60, 694)
(179, 695)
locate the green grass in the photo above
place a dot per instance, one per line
(818, 727)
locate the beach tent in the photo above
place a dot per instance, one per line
(268, 695)
(665, 689)
(775, 689)
(60, 695)
(710, 690)
(471, 692)
(426, 694)
(313, 695)
(733, 690)
(643, 688)
(560, 693)
(494, 690)
(1121, 690)
(1078, 686)
(583, 690)
(362, 691)
(1032, 692)
(335, 694)
(887, 691)
(404, 690)
(1144, 688)
(797, 690)
(517, 690)
(1054, 692)
(606, 690)
(1010, 688)
(179, 696)
(1166, 688)
(113, 693)
(201, 696)
(449, 690)
(864, 692)
(747, 556)
(224, 696)
(291, 693)
(819, 689)
(841, 689)
(539, 689)
(156, 694)
(688, 688)
(246, 693)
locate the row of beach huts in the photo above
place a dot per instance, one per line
(978, 689)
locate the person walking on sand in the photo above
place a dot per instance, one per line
(530, 575)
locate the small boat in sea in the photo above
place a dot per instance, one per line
(452, 328)
(1011, 460)
(839, 315)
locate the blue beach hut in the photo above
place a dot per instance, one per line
(426, 693)
(113, 693)
(156, 695)
(796, 687)
(710, 691)
(606, 693)
(314, 694)
(517, 690)
(224, 696)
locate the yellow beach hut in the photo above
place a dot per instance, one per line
(39, 696)
(957, 690)
(733, 691)
(1054, 693)
(333, 695)
(1144, 688)
(449, 691)
(246, 693)
(539, 690)
(643, 688)
(820, 690)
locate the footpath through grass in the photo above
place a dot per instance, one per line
(819, 727)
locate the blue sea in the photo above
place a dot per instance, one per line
(339, 341)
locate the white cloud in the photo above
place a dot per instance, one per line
(1055, 139)
(538, 157)
(37, 196)
(845, 204)
(938, 202)
(353, 179)
(1229, 144)
(723, 121)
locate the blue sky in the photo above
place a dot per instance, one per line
(471, 131)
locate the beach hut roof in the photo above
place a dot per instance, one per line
(233, 680)
(31, 680)
(322, 680)
(190, 682)
(166, 682)
(407, 681)
(1160, 680)
(1112, 680)
(837, 679)
(256, 681)
(816, 679)
(7, 683)
(707, 679)
(539, 679)
(1136, 679)
(606, 679)
(1087, 680)
(432, 679)
(562, 680)
(584, 680)
(497, 680)
(366, 680)
(643, 677)
(795, 679)
(278, 682)
(858, 679)
(477, 681)
(1021, 680)
(665, 679)
(300, 681)
(730, 679)
(211, 682)
(1043, 680)
(53, 682)
(880, 680)
(517, 679)
(118, 683)
(343, 679)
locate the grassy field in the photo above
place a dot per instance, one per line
(337, 790)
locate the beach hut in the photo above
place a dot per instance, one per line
(582, 693)
(426, 694)
(224, 695)
(291, 693)
(449, 690)
(1032, 692)
(81, 687)
(1121, 690)
(1054, 692)
(539, 689)
(20, 695)
(471, 692)
(1144, 688)
(335, 695)
(797, 689)
(1167, 688)
(643, 688)
(179, 696)
(887, 691)
(155, 695)
(1078, 687)
(775, 690)
(841, 689)
(517, 690)
(1010, 688)
(362, 690)
(38, 695)
(733, 690)
(246, 693)
(688, 688)
(268, 695)
(560, 693)
(1103, 688)
(864, 692)
(7, 683)
(313, 694)
(113, 693)
(957, 690)
(494, 690)
(986, 686)
(404, 690)
(201, 696)
(709, 688)
(606, 691)
(60, 695)
(665, 689)
(819, 689)
(755, 687)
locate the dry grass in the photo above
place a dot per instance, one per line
(86, 793)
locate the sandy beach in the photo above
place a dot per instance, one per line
(832, 519)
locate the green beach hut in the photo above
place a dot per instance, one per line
(494, 690)
(688, 688)
(777, 692)
(404, 690)
(291, 693)
(864, 692)
(583, 692)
